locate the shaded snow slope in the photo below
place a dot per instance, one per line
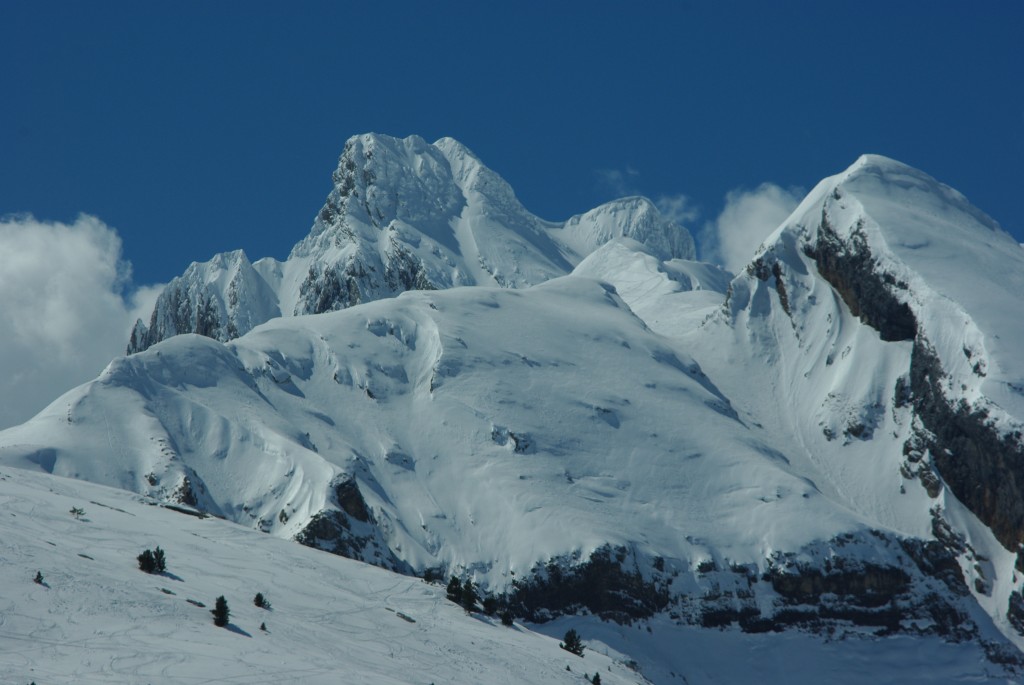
(403, 215)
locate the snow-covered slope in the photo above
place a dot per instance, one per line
(403, 215)
(463, 414)
(96, 618)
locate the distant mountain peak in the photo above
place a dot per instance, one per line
(403, 214)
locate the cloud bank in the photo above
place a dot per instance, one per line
(748, 218)
(64, 313)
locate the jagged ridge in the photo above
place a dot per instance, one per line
(402, 215)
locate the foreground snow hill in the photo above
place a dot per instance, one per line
(824, 448)
(403, 215)
(96, 618)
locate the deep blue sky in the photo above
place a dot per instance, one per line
(197, 127)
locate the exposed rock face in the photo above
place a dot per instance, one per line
(220, 299)
(349, 530)
(848, 267)
(915, 587)
(983, 468)
(602, 584)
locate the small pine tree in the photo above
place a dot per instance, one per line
(146, 562)
(220, 612)
(263, 627)
(597, 679)
(38, 580)
(159, 560)
(506, 618)
(572, 643)
(490, 605)
(469, 596)
(455, 590)
(261, 601)
(77, 512)
(152, 561)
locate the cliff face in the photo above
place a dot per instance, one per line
(221, 299)
(981, 462)
(876, 335)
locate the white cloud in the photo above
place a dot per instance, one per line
(62, 309)
(748, 218)
(621, 183)
(677, 208)
(625, 183)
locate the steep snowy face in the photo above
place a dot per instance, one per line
(954, 284)
(380, 180)
(875, 331)
(632, 217)
(915, 261)
(223, 298)
(402, 215)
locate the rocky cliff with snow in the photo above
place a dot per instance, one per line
(402, 215)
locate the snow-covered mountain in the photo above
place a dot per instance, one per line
(403, 215)
(827, 445)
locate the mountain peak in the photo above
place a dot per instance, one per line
(403, 214)
(633, 217)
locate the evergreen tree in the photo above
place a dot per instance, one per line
(220, 612)
(152, 561)
(455, 590)
(147, 562)
(597, 679)
(39, 578)
(506, 618)
(572, 643)
(490, 605)
(469, 596)
(261, 601)
(159, 560)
